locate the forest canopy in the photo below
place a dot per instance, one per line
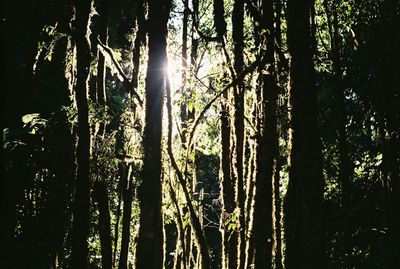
(200, 134)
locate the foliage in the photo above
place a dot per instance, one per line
(355, 60)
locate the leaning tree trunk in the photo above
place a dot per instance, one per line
(149, 252)
(303, 216)
(266, 148)
(80, 232)
(201, 241)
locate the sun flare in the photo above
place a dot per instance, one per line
(174, 72)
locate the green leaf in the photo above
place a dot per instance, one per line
(30, 117)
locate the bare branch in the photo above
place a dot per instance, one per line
(235, 82)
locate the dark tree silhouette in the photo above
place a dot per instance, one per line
(266, 146)
(80, 230)
(303, 226)
(149, 252)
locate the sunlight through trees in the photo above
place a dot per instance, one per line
(203, 134)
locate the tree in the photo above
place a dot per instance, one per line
(95, 177)
(266, 146)
(101, 194)
(149, 253)
(303, 217)
(239, 103)
(103, 36)
(229, 246)
(82, 190)
(127, 196)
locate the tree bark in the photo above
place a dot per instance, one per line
(277, 215)
(303, 215)
(391, 180)
(250, 200)
(140, 35)
(238, 46)
(229, 237)
(127, 196)
(219, 20)
(184, 60)
(149, 252)
(266, 147)
(121, 185)
(80, 230)
(193, 57)
(180, 251)
(104, 224)
(103, 36)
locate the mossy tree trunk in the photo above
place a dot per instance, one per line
(149, 252)
(303, 216)
(267, 146)
(238, 46)
(80, 232)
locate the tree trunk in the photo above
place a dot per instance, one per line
(229, 238)
(103, 36)
(149, 252)
(303, 215)
(100, 187)
(250, 200)
(237, 37)
(391, 178)
(180, 251)
(79, 253)
(201, 241)
(127, 195)
(194, 52)
(277, 215)
(266, 148)
(101, 194)
(184, 59)
(219, 20)
(140, 35)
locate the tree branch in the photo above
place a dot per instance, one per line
(235, 82)
(201, 240)
(125, 80)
